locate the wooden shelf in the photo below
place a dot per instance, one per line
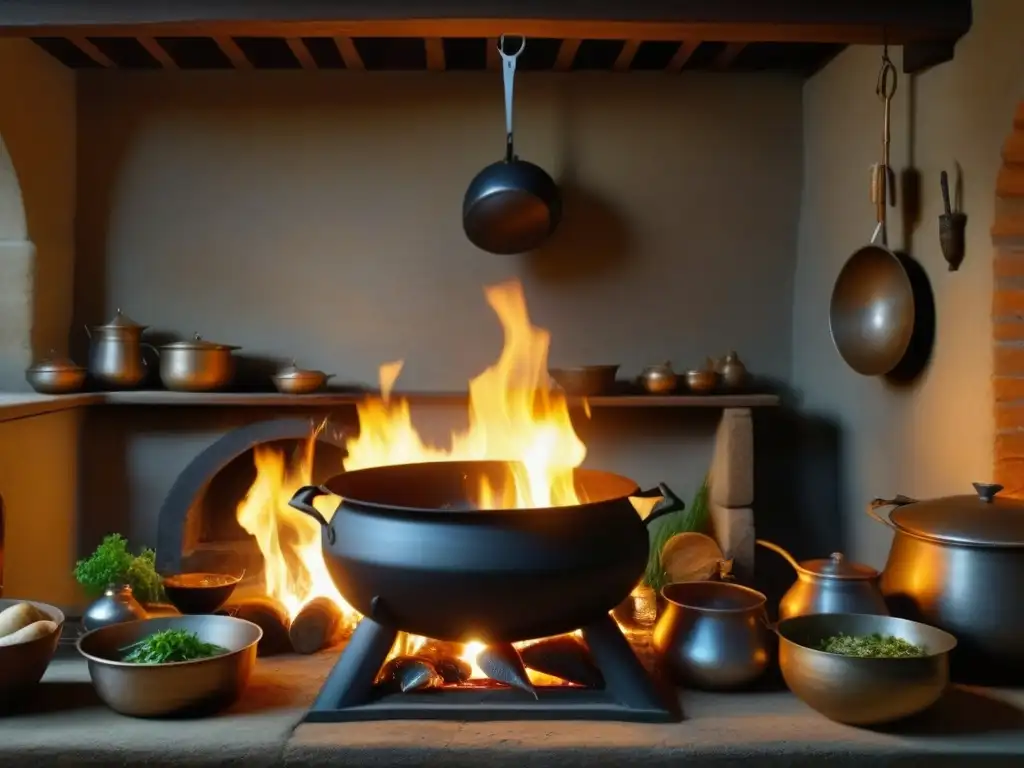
(337, 399)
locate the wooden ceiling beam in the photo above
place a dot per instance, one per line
(158, 52)
(728, 55)
(493, 57)
(566, 55)
(435, 54)
(301, 52)
(625, 58)
(86, 46)
(834, 21)
(682, 55)
(235, 54)
(349, 54)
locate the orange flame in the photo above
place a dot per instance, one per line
(513, 416)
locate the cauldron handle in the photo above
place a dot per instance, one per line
(669, 502)
(303, 501)
(875, 504)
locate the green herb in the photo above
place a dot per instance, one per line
(871, 647)
(112, 563)
(694, 519)
(170, 645)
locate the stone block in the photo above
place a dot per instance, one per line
(17, 277)
(732, 467)
(734, 531)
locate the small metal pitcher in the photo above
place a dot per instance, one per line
(117, 605)
(713, 635)
(829, 585)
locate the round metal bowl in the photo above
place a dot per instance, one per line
(22, 666)
(859, 691)
(178, 689)
(198, 593)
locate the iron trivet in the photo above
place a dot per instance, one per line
(629, 694)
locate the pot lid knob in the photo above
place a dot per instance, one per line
(987, 491)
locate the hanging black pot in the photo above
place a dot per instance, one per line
(511, 206)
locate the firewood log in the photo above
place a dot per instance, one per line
(270, 616)
(320, 624)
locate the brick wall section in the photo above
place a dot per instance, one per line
(1008, 312)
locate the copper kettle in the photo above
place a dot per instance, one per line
(829, 585)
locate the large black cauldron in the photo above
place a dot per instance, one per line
(408, 546)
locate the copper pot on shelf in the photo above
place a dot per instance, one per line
(196, 365)
(115, 353)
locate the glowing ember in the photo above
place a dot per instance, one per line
(513, 416)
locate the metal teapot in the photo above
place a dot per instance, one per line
(115, 353)
(829, 585)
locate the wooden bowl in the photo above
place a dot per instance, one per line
(22, 666)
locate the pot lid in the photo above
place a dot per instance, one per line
(54, 362)
(836, 566)
(197, 342)
(294, 372)
(979, 519)
(121, 320)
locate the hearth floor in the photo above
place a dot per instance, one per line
(67, 725)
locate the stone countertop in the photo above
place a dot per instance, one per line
(65, 724)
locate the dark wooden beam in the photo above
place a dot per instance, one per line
(89, 48)
(566, 55)
(836, 21)
(235, 54)
(349, 54)
(301, 52)
(728, 55)
(158, 52)
(923, 55)
(493, 57)
(435, 54)
(626, 55)
(682, 55)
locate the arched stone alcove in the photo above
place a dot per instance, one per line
(1008, 312)
(17, 268)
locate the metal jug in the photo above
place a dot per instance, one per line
(115, 353)
(829, 585)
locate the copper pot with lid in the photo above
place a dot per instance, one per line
(829, 585)
(957, 563)
(197, 365)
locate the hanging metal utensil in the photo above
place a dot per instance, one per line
(872, 312)
(511, 206)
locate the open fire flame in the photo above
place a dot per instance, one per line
(513, 416)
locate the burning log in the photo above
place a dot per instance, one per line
(501, 662)
(270, 616)
(563, 657)
(320, 624)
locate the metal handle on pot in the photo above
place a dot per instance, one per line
(669, 502)
(508, 69)
(899, 501)
(303, 501)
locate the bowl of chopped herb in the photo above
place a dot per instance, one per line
(178, 666)
(863, 669)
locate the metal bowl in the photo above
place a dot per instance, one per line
(860, 691)
(702, 380)
(56, 376)
(198, 593)
(22, 666)
(300, 382)
(585, 380)
(177, 689)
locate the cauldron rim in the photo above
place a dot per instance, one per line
(618, 487)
